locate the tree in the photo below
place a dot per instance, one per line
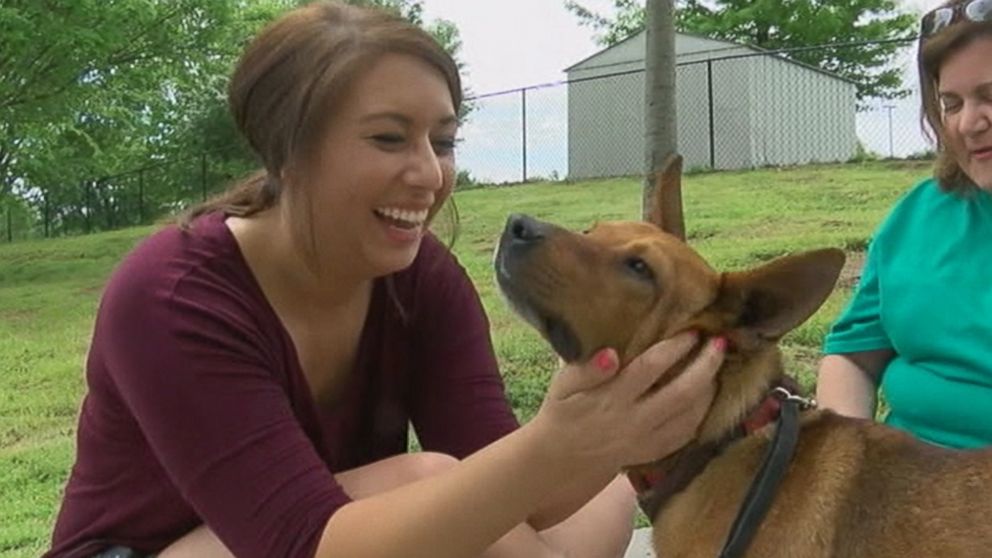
(788, 24)
(629, 19)
(105, 86)
(661, 200)
(92, 90)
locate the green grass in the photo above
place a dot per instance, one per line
(49, 291)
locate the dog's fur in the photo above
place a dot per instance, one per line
(854, 488)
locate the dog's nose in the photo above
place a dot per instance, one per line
(524, 229)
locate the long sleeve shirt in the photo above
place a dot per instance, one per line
(197, 410)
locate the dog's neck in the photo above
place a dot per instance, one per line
(656, 482)
(745, 379)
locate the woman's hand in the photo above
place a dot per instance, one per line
(600, 415)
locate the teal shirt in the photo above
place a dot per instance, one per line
(926, 293)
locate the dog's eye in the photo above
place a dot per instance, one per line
(639, 267)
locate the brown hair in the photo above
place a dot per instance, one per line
(933, 51)
(284, 89)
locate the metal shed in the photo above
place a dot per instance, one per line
(738, 107)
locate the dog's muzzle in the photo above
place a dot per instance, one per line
(517, 247)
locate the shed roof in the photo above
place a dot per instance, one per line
(719, 45)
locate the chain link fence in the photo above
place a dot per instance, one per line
(136, 197)
(736, 109)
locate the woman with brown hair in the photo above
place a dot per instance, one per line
(920, 323)
(254, 370)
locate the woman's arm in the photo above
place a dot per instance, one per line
(592, 422)
(848, 383)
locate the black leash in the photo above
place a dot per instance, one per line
(765, 485)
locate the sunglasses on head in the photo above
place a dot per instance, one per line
(977, 11)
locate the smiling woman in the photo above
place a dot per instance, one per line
(918, 325)
(256, 368)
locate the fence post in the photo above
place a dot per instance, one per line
(523, 135)
(709, 96)
(45, 215)
(892, 153)
(86, 204)
(107, 201)
(203, 174)
(141, 196)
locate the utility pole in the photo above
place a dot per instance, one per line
(662, 162)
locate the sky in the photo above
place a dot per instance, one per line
(515, 43)
(509, 44)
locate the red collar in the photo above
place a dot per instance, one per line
(763, 414)
(666, 477)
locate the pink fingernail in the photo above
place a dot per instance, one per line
(605, 359)
(721, 343)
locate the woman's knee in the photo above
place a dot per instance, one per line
(603, 527)
(426, 464)
(200, 542)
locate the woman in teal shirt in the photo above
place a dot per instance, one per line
(920, 322)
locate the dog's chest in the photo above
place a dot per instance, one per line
(697, 521)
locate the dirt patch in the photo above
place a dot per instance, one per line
(801, 363)
(92, 289)
(17, 315)
(851, 273)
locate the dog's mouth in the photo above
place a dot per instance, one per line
(563, 340)
(556, 330)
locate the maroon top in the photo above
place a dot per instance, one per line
(197, 410)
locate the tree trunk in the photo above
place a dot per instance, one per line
(660, 122)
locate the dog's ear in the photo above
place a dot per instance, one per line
(664, 208)
(767, 302)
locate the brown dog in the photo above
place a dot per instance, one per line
(853, 487)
